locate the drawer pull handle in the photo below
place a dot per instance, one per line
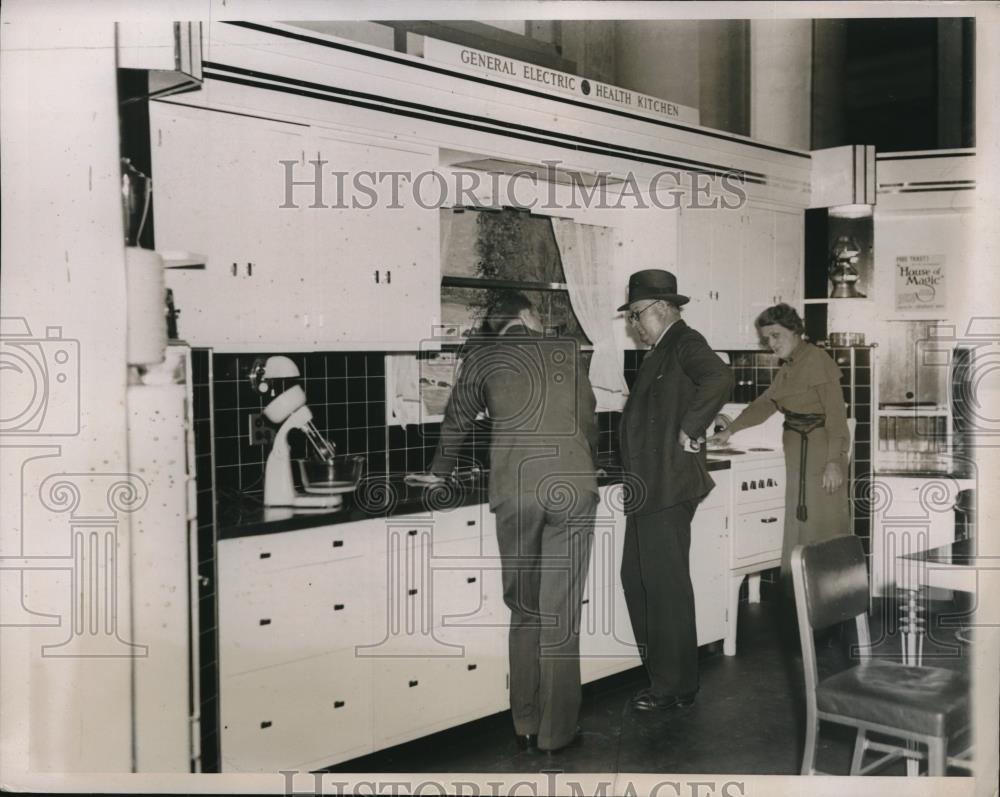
(412, 532)
(769, 520)
(338, 543)
(338, 703)
(470, 523)
(266, 724)
(338, 607)
(585, 600)
(265, 621)
(471, 667)
(413, 683)
(470, 580)
(265, 555)
(411, 592)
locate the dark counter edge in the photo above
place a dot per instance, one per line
(245, 517)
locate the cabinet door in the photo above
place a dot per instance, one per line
(709, 543)
(373, 250)
(757, 272)
(726, 236)
(789, 246)
(218, 184)
(305, 714)
(694, 269)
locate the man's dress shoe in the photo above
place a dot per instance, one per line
(647, 700)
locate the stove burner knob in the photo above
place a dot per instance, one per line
(743, 487)
(770, 483)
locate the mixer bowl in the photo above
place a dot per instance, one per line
(329, 478)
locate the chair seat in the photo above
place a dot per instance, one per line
(926, 700)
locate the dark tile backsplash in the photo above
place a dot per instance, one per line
(345, 391)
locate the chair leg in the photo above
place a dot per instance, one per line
(860, 745)
(809, 754)
(936, 755)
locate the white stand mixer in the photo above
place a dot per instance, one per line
(288, 408)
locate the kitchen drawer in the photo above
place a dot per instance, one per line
(269, 553)
(465, 596)
(309, 710)
(463, 522)
(758, 535)
(761, 484)
(426, 686)
(300, 612)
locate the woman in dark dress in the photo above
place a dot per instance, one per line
(806, 389)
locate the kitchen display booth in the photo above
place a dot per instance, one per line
(320, 180)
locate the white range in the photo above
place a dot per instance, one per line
(756, 507)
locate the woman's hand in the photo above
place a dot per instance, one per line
(833, 477)
(720, 438)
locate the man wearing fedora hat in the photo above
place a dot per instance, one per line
(677, 393)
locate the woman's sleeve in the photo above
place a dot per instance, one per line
(832, 399)
(758, 411)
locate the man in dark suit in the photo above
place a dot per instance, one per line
(680, 387)
(543, 491)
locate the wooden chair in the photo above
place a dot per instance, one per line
(918, 705)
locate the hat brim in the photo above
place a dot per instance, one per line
(674, 298)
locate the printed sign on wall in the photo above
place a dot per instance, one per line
(920, 282)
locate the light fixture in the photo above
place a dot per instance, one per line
(843, 271)
(850, 211)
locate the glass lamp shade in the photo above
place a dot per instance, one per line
(843, 272)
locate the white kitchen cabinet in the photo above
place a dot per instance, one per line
(789, 253)
(734, 264)
(607, 644)
(300, 267)
(377, 270)
(442, 660)
(217, 187)
(293, 607)
(709, 543)
(339, 640)
(757, 278)
(301, 715)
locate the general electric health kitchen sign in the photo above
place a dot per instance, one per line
(550, 81)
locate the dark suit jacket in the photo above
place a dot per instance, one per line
(541, 408)
(681, 384)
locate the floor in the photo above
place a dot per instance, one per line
(748, 719)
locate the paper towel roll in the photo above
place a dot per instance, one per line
(147, 326)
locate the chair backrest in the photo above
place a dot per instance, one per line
(832, 580)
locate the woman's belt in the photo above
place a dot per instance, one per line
(803, 424)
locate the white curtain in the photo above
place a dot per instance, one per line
(586, 258)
